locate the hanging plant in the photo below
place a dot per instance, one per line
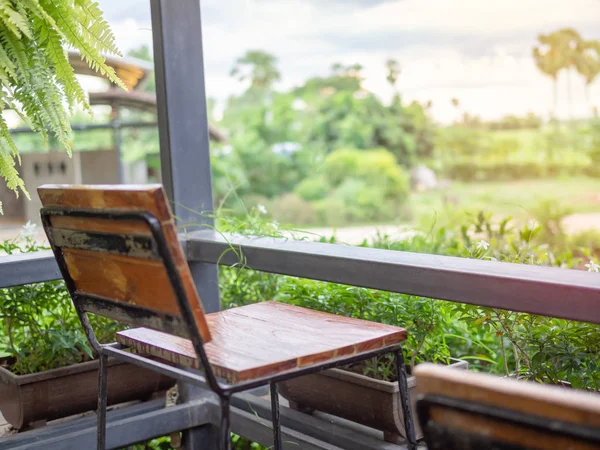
(37, 80)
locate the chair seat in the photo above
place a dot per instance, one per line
(264, 339)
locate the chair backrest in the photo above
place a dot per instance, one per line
(466, 410)
(118, 251)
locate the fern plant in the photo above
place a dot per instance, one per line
(35, 75)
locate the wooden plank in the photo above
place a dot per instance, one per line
(268, 338)
(150, 198)
(133, 315)
(568, 405)
(131, 245)
(505, 432)
(550, 402)
(122, 277)
(100, 225)
(140, 282)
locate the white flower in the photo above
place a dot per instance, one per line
(261, 209)
(28, 230)
(592, 266)
(482, 245)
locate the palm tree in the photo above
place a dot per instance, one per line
(549, 59)
(588, 65)
(393, 72)
(257, 66)
(570, 44)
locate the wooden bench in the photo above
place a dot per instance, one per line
(467, 411)
(118, 252)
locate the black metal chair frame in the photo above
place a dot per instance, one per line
(440, 437)
(84, 303)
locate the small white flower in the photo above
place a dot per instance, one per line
(592, 266)
(261, 209)
(482, 245)
(28, 230)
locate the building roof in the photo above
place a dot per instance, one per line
(132, 71)
(142, 101)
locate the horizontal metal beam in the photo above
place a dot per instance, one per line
(250, 417)
(323, 433)
(125, 426)
(547, 291)
(26, 268)
(96, 126)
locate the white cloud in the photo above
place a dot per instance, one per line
(478, 51)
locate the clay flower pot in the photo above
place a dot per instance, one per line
(49, 395)
(356, 397)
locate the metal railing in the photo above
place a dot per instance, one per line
(186, 175)
(548, 291)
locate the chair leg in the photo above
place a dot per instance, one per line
(405, 401)
(102, 399)
(225, 438)
(275, 417)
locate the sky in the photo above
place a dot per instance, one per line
(478, 51)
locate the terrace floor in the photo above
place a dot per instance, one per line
(327, 421)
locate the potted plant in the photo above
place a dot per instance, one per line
(367, 392)
(47, 368)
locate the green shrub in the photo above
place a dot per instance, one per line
(291, 208)
(517, 344)
(332, 211)
(40, 329)
(311, 189)
(377, 168)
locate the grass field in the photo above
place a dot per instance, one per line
(518, 199)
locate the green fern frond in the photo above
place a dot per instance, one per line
(14, 20)
(68, 23)
(91, 20)
(36, 79)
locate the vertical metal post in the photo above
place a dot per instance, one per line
(275, 416)
(409, 429)
(184, 146)
(183, 124)
(102, 401)
(115, 123)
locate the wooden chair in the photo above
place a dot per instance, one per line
(468, 411)
(118, 252)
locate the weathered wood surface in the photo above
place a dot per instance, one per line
(125, 269)
(551, 402)
(267, 338)
(71, 390)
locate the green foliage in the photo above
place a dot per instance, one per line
(37, 80)
(164, 443)
(292, 209)
(355, 185)
(258, 67)
(40, 329)
(310, 189)
(517, 344)
(375, 167)
(279, 140)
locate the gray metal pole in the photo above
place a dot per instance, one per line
(183, 123)
(115, 123)
(184, 147)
